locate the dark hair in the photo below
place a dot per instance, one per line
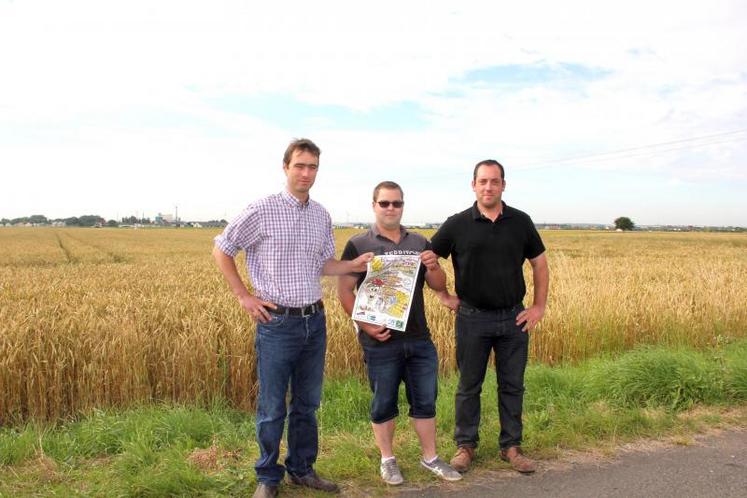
(387, 185)
(488, 162)
(303, 144)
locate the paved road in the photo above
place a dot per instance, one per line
(714, 466)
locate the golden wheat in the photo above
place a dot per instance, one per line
(96, 318)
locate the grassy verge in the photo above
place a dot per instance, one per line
(177, 450)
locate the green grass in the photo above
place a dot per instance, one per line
(178, 450)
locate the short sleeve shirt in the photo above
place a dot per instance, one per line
(488, 256)
(410, 244)
(286, 243)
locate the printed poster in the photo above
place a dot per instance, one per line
(385, 296)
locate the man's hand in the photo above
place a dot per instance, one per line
(360, 264)
(257, 308)
(378, 332)
(429, 260)
(448, 300)
(530, 317)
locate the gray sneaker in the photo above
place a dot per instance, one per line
(442, 469)
(390, 472)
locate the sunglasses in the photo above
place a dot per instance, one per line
(396, 204)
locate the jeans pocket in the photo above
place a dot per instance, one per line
(275, 321)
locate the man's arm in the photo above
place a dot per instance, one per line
(358, 265)
(451, 301)
(541, 278)
(436, 279)
(252, 304)
(345, 288)
(442, 244)
(434, 274)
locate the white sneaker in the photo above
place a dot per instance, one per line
(390, 472)
(442, 469)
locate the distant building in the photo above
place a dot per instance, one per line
(164, 219)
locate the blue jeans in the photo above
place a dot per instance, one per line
(290, 350)
(477, 333)
(389, 363)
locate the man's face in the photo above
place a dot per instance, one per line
(388, 217)
(488, 186)
(301, 172)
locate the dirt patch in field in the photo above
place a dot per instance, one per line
(212, 459)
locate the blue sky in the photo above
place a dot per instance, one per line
(287, 111)
(596, 110)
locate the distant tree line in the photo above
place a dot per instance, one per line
(93, 220)
(87, 220)
(134, 220)
(34, 219)
(214, 223)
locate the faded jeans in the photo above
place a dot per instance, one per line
(290, 350)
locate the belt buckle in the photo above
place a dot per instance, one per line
(311, 308)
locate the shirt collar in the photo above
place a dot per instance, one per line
(506, 212)
(292, 200)
(375, 231)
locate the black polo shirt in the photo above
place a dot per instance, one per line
(410, 243)
(488, 256)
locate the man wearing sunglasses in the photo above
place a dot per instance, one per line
(488, 244)
(393, 356)
(289, 245)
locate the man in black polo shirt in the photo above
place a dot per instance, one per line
(393, 356)
(488, 244)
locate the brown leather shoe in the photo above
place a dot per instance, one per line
(463, 458)
(518, 461)
(313, 481)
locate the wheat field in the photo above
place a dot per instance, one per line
(113, 317)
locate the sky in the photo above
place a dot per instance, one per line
(596, 109)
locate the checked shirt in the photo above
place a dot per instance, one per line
(286, 244)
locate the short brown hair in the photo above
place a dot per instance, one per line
(303, 144)
(387, 185)
(488, 162)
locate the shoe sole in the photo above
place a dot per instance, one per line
(450, 479)
(326, 490)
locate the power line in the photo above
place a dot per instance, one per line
(643, 150)
(626, 153)
(645, 153)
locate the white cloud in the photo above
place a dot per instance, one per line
(73, 71)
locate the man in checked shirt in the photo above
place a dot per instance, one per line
(289, 245)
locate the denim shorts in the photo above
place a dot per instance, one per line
(414, 362)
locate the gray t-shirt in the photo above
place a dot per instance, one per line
(409, 244)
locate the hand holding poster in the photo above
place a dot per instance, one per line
(385, 295)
